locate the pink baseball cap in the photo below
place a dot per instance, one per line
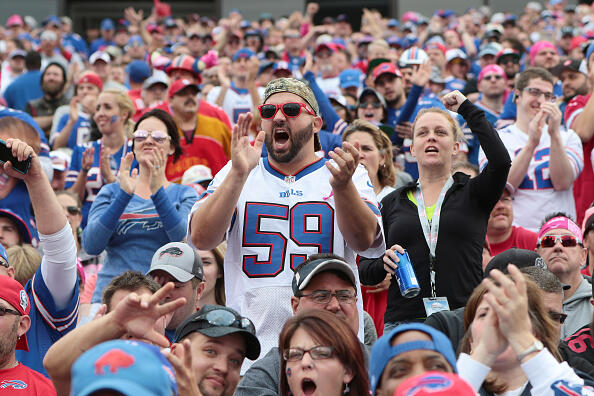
(15, 20)
(490, 69)
(539, 46)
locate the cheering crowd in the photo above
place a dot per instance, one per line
(192, 206)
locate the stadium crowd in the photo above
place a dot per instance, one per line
(192, 206)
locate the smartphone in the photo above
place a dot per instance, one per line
(6, 155)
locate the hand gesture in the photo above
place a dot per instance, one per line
(421, 76)
(391, 260)
(553, 117)
(346, 159)
(73, 109)
(127, 180)
(491, 343)
(180, 358)
(21, 150)
(133, 16)
(404, 130)
(535, 127)
(244, 156)
(105, 168)
(157, 166)
(137, 314)
(453, 100)
(88, 158)
(312, 9)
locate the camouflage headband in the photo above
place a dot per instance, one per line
(293, 86)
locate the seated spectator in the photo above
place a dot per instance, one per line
(214, 275)
(511, 342)
(132, 218)
(405, 351)
(334, 363)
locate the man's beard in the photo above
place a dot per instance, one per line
(51, 89)
(8, 342)
(583, 90)
(297, 140)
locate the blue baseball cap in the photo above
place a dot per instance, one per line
(393, 23)
(589, 51)
(383, 351)
(3, 254)
(350, 78)
(135, 40)
(107, 24)
(243, 53)
(129, 367)
(138, 71)
(19, 222)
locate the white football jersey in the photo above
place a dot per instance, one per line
(535, 197)
(235, 103)
(280, 220)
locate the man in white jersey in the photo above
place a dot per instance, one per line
(546, 158)
(275, 211)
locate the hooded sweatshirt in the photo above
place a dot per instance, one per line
(578, 309)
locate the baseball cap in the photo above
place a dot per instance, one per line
(567, 31)
(179, 260)
(370, 91)
(393, 23)
(383, 351)
(91, 78)
(13, 293)
(491, 69)
(185, 62)
(539, 46)
(178, 85)
(243, 53)
(52, 20)
(395, 41)
(519, 257)
(135, 41)
(293, 86)
(156, 78)
(48, 35)
(567, 64)
(455, 53)
(196, 174)
(588, 222)
(60, 160)
(218, 321)
(20, 223)
(507, 52)
(350, 78)
(15, 20)
(17, 52)
(99, 55)
(489, 49)
(107, 24)
(153, 27)
(412, 56)
(307, 271)
(385, 68)
(138, 71)
(436, 76)
(435, 383)
(129, 367)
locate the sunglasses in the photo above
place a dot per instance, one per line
(72, 210)
(375, 105)
(140, 135)
(4, 311)
(224, 318)
(316, 353)
(4, 264)
(558, 316)
(535, 92)
(549, 241)
(505, 61)
(289, 109)
(490, 77)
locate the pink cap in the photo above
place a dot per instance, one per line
(539, 46)
(491, 69)
(15, 20)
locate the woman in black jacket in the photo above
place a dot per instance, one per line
(449, 212)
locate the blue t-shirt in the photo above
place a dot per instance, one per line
(48, 324)
(75, 42)
(26, 87)
(130, 229)
(98, 44)
(453, 83)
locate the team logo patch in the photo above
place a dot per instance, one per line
(172, 251)
(113, 361)
(540, 263)
(24, 300)
(14, 384)
(564, 388)
(289, 179)
(431, 383)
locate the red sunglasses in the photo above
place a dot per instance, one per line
(550, 240)
(289, 109)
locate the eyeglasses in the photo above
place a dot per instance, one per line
(316, 353)
(72, 210)
(507, 200)
(289, 109)
(324, 297)
(549, 241)
(4, 311)
(495, 77)
(558, 316)
(224, 318)
(375, 105)
(140, 135)
(549, 96)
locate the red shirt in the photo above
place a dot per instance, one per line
(21, 380)
(520, 238)
(136, 96)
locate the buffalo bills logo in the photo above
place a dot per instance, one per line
(564, 388)
(14, 384)
(24, 303)
(113, 361)
(431, 383)
(172, 251)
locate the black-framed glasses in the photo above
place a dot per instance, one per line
(549, 241)
(325, 296)
(558, 316)
(224, 318)
(4, 311)
(535, 92)
(73, 210)
(289, 109)
(375, 105)
(316, 353)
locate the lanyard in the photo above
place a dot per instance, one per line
(431, 228)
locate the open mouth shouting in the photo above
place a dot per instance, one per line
(308, 386)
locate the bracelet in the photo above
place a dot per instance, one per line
(85, 170)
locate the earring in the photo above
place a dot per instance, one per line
(347, 389)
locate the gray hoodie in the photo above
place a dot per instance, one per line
(578, 309)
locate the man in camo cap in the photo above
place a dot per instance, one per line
(277, 210)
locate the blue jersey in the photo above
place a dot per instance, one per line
(98, 44)
(94, 179)
(75, 42)
(453, 83)
(81, 130)
(48, 324)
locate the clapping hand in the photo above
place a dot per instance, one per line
(244, 156)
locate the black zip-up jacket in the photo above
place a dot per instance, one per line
(462, 229)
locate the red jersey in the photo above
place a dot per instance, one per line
(21, 380)
(520, 238)
(136, 96)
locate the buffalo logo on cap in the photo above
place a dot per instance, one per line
(113, 360)
(24, 300)
(432, 383)
(172, 251)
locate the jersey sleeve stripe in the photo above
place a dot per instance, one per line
(373, 207)
(577, 163)
(55, 323)
(572, 117)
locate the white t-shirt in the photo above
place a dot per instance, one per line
(279, 220)
(235, 103)
(535, 197)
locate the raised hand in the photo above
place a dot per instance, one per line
(127, 180)
(73, 109)
(391, 260)
(453, 100)
(421, 76)
(105, 168)
(21, 150)
(180, 358)
(346, 159)
(88, 158)
(244, 156)
(157, 166)
(404, 130)
(535, 127)
(553, 116)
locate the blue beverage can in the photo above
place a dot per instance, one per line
(406, 277)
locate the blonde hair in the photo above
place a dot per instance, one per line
(25, 259)
(219, 254)
(458, 135)
(126, 105)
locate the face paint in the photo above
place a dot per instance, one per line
(288, 371)
(114, 118)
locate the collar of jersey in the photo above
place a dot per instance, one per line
(241, 91)
(303, 172)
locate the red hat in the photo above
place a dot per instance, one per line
(384, 68)
(13, 293)
(178, 85)
(187, 63)
(91, 78)
(435, 384)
